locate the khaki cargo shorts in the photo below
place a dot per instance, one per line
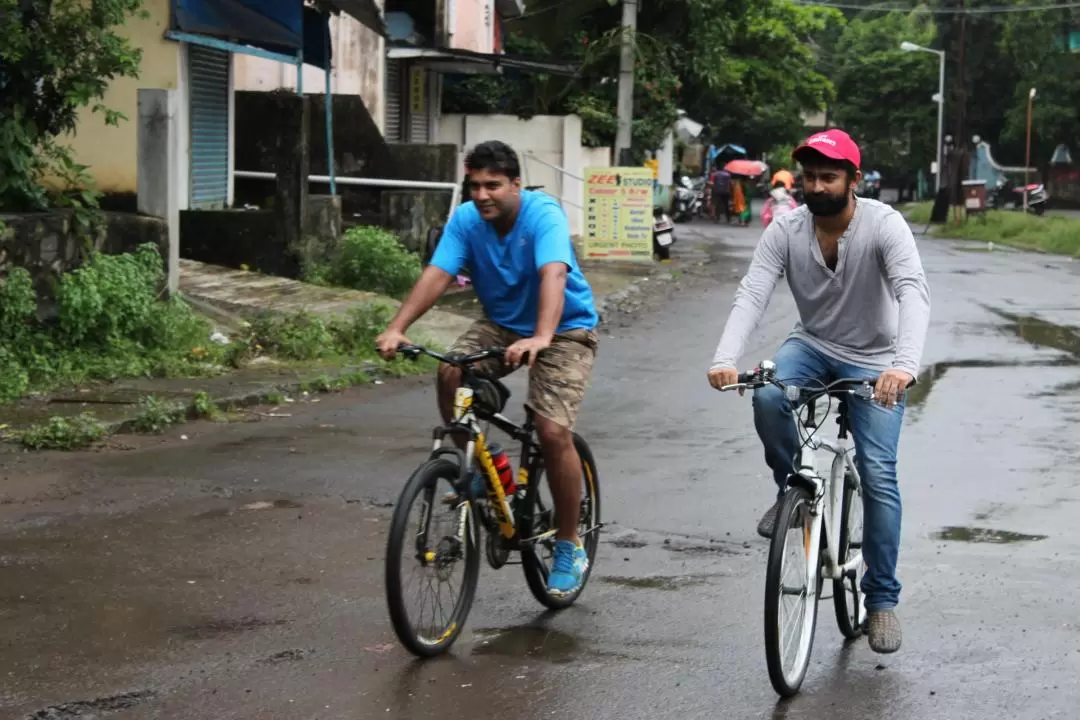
(557, 381)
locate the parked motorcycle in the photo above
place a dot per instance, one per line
(871, 185)
(663, 233)
(1006, 191)
(688, 200)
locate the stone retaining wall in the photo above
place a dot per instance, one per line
(48, 245)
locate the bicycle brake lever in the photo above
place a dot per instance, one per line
(866, 392)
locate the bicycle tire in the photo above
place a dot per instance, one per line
(427, 475)
(851, 620)
(536, 573)
(787, 684)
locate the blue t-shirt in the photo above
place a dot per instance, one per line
(506, 270)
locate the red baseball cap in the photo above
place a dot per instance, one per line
(834, 144)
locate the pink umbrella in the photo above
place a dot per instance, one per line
(749, 168)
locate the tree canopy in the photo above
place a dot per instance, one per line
(751, 69)
(56, 56)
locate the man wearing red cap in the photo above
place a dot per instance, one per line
(864, 307)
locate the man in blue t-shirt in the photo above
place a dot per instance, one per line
(516, 245)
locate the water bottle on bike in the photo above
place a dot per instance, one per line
(506, 473)
(478, 487)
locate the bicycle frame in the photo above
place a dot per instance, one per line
(828, 496)
(476, 447)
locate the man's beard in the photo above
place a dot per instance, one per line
(826, 205)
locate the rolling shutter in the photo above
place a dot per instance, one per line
(209, 113)
(392, 117)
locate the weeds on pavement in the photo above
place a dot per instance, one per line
(61, 433)
(157, 415)
(112, 323)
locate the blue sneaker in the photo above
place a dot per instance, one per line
(567, 569)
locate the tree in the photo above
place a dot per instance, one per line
(883, 94)
(1034, 44)
(744, 67)
(591, 94)
(751, 66)
(56, 56)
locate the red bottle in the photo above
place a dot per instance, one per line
(502, 465)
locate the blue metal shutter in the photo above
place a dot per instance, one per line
(208, 73)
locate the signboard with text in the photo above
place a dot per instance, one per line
(416, 89)
(618, 213)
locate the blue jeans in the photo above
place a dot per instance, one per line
(876, 432)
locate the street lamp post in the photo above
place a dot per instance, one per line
(940, 98)
(1027, 152)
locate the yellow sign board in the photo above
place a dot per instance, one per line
(618, 213)
(416, 89)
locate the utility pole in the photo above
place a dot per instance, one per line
(625, 107)
(1027, 152)
(961, 75)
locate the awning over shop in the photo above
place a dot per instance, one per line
(468, 62)
(274, 25)
(282, 27)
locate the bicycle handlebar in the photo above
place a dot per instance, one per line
(414, 351)
(765, 374)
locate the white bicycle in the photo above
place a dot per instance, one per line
(818, 526)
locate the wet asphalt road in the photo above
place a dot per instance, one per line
(135, 584)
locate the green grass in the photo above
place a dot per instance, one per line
(917, 213)
(1051, 234)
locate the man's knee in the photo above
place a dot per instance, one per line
(553, 437)
(878, 475)
(448, 377)
(769, 401)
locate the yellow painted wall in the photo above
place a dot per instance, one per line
(110, 151)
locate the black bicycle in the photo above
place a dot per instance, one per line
(517, 518)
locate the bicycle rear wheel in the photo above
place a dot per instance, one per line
(847, 595)
(540, 518)
(420, 548)
(791, 597)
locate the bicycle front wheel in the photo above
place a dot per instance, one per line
(792, 583)
(847, 595)
(432, 562)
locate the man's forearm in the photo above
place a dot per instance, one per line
(552, 299)
(431, 285)
(912, 327)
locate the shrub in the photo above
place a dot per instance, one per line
(370, 259)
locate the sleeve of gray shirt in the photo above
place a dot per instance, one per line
(903, 266)
(752, 297)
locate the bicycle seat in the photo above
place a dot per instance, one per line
(491, 395)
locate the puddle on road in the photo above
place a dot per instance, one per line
(276, 504)
(214, 514)
(930, 374)
(984, 535)
(1062, 389)
(92, 708)
(529, 642)
(656, 582)
(1042, 333)
(215, 628)
(714, 547)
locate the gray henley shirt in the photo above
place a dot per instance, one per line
(872, 311)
